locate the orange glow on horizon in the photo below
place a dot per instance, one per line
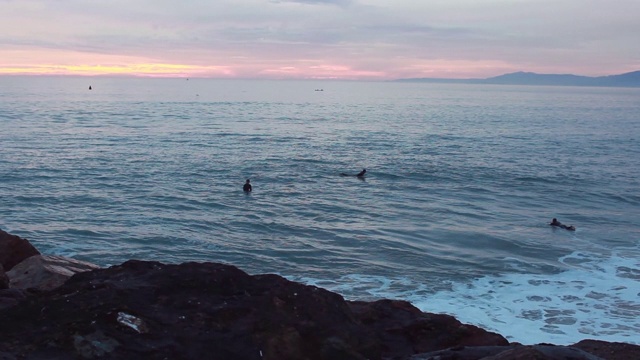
(159, 70)
(74, 63)
(181, 70)
(23, 62)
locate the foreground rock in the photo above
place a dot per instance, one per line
(609, 350)
(46, 272)
(513, 352)
(199, 311)
(14, 249)
(149, 310)
(403, 330)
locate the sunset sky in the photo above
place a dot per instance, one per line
(319, 39)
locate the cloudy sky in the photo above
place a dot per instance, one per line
(332, 39)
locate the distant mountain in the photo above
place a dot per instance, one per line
(631, 79)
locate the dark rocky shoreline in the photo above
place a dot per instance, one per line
(56, 308)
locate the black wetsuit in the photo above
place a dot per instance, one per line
(563, 226)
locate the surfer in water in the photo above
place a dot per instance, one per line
(359, 175)
(557, 223)
(247, 186)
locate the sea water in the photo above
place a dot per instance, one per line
(462, 181)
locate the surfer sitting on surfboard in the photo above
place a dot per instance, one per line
(557, 223)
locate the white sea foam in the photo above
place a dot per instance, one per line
(596, 298)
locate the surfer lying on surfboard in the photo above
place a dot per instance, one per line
(360, 174)
(557, 223)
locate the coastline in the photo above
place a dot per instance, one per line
(148, 309)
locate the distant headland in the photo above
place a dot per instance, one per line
(631, 79)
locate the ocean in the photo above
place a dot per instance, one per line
(462, 182)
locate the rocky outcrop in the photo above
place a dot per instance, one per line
(192, 310)
(609, 350)
(150, 310)
(403, 330)
(14, 249)
(46, 272)
(511, 352)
